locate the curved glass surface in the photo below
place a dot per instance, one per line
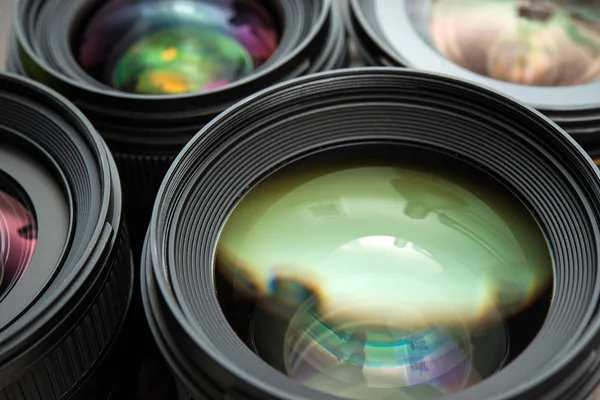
(176, 46)
(382, 281)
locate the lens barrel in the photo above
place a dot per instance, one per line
(145, 132)
(62, 322)
(347, 112)
(400, 34)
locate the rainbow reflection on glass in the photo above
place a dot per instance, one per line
(18, 239)
(386, 282)
(371, 360)
(176, 46)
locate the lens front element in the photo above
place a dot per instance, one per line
(378, 281)
(177, 46)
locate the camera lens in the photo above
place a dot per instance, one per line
(66, 273)
(151, 73)
(177, 47)
(543, 53)
(18, 233)
(377, 233)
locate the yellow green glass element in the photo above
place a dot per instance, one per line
(181, 60)
(400, 267)
(536, 43)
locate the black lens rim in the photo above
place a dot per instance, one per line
(205, 367)
(64, 139)
(575, 108)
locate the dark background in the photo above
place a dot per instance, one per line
(5, 17)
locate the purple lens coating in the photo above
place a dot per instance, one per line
(176, 46)
(18, 239)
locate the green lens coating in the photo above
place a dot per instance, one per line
(385, 273)
(174, 47)
(181, 60)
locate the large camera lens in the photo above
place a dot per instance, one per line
(150, 73)
(544, 53)
(377, 234)
(66, 273)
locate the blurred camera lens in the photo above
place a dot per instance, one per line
(539, 43)
(377, 245)
(544, 53)
(151, 73)
(66, 273)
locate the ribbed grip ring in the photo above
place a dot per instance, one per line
(67, 364)
(141, 176)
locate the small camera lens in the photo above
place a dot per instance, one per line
(158, 47)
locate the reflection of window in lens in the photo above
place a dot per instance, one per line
(377, 280)
(538, 43)
(176, 46)
(18, 234)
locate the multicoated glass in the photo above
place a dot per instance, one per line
(177, 46)
(390, 280)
